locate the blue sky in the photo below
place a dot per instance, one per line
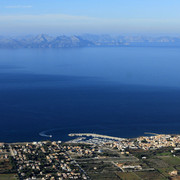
(89, 16)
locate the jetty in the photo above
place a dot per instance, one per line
(96, 135)
(150, 133)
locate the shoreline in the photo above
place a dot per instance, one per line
(89, 135)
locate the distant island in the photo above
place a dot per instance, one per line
(87, 40)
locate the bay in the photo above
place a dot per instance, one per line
(121, 92)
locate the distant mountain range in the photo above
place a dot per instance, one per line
(86, 40)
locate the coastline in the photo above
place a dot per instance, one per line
(89, 135)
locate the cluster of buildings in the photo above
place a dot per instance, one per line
(3, 151)
(52, 160)
(149, 142)
(81, 150)
(128, 168)
(144, 142)
(45, 160)
(158, 141)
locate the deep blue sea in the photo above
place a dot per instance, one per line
(122, 92)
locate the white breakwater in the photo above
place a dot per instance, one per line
(44, 134)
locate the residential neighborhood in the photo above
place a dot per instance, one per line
(93, 157)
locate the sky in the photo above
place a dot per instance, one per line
(19, 17)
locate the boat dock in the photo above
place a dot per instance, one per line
(96, 135)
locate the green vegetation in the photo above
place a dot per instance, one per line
(99, 162)
(104, 176)
(173, 161)
(162, 160)
(128, 176)
(13, 164)
(139, 153)
(165, 171)
(97, 169)
(6, 167)
(164, 154)
(8, 177)
(150, 175)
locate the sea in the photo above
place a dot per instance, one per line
(115, 91)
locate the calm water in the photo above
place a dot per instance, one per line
(115, 91)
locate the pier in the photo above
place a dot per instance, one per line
(96, 135)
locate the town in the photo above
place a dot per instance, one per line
(93, 156)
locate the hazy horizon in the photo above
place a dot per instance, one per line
(94, 34)
(90, 16)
